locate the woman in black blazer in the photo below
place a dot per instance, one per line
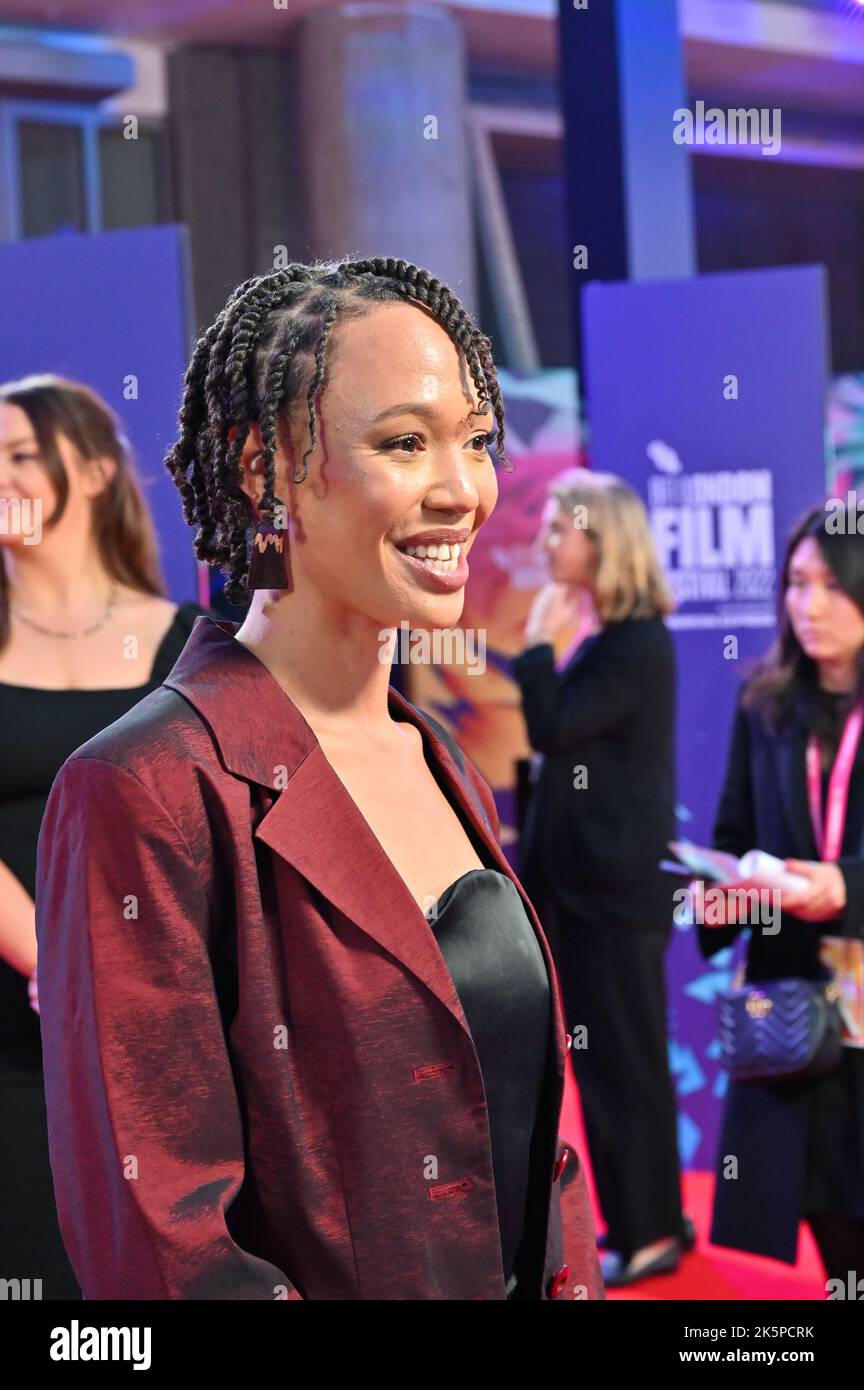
(597, 826)
(798, 1146)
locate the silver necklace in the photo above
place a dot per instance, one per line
(81, 632)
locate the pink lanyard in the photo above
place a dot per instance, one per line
(830, 838)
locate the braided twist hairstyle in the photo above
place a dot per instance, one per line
(251, 365)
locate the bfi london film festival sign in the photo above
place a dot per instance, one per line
(714, 532)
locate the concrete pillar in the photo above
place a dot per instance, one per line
(381, 95)
(236, 164)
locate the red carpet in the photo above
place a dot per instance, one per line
(711, 1272)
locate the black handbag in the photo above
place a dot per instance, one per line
(780, 1030)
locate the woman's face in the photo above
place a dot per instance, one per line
(570, 550)
(398, 462)
(25, 487)
(27, 492)
(827, 622)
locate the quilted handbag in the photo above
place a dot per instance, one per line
(780, 1030)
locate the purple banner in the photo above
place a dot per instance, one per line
(708, 396)
(111, 311)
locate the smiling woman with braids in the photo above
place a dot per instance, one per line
(306, 1012)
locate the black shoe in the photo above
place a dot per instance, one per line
(617, 1275)
(688, 1238)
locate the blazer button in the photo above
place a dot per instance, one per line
(561, 1162)
(557, 1282)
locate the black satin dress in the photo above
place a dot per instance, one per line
(498, 969)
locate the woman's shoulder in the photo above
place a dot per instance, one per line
(635, 629)
(176, 637)
(182, 614)
(754, 720)
(160, 751)
(187, 612)
(155, 612)
(161, 730)
(638, 639)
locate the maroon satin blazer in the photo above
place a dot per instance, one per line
(259, 1078)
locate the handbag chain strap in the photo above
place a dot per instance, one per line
(832, 989)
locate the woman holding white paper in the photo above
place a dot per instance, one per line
(794, 788)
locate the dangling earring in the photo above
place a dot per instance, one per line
(270, 556)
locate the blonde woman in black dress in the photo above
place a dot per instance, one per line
(602, 811)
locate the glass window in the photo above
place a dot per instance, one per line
(533, 185)
(131, 181)
(52, 178)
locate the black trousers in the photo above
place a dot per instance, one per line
(614, 987)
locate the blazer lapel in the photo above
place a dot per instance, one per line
(313, 823)
(316, 826)
(579, 655)
(789, 754)
(455, 780)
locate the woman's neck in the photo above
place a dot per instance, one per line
(57, 579)
(837, 677)
(331, 667)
